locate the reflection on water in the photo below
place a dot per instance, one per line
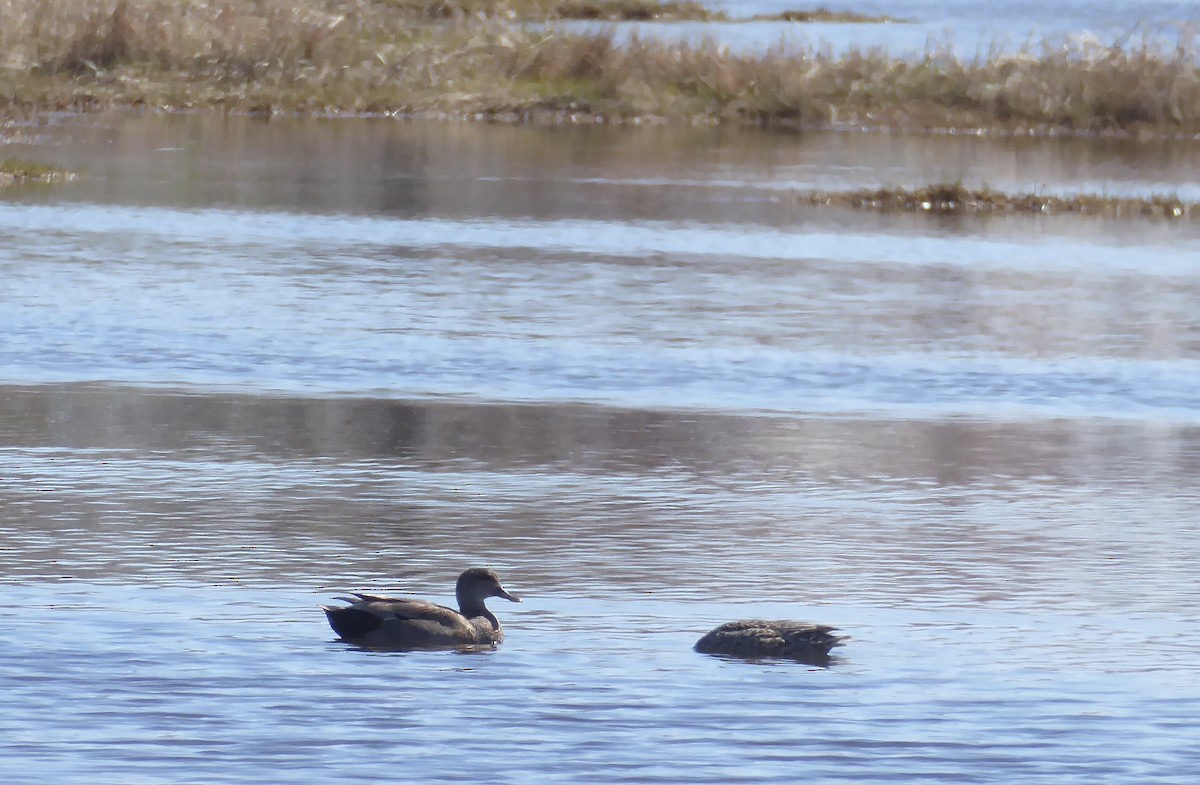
(456, 274)
(1018, 595)
(248, 366)
(104, 483)
(405, 169)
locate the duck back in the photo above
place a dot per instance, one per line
(757, 638)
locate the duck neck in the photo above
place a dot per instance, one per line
(469, 603)
(474, 609)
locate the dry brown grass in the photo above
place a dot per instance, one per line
(632, 10)
(459, 57)
(957, 199)
(309, 55)
(1080, 88)
(821, 14)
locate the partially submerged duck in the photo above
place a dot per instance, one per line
(407, 623)
(755, 638)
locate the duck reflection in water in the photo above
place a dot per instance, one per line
(754, 639)
(379, 621)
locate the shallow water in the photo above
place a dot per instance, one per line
(966, 28)
(248, 365)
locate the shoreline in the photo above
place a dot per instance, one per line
(380, 58)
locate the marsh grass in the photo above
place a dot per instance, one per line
(678, 11)
(957, 199)
(634, 11)
(612, 11)
(824, 15)
(543, 10)
(462, 58)
(14, 171)
(1073, 87)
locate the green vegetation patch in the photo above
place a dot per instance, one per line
(956, 199)
(14, 171)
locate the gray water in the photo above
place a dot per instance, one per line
(248, 365)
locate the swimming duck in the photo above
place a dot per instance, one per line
(406, 623)
(754, 638)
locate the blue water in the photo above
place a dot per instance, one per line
(755, 304)
(967, 28)
(247, 366)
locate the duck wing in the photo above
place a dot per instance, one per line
(407, 609)
(399, 620)
(356, 596)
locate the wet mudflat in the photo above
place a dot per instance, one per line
(247, 365)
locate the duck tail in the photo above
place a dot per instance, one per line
(350, 622)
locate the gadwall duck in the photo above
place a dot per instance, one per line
(403, 622)
(754, 638)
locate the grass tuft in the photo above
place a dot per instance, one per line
(957, 199)
(824, 15)
(542, 10)
(14, 171)
(634, 10)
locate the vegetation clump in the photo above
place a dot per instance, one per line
(542, 10)
(14, 171)
(956, 199)
(613, 11)
(467, 58)
(824, 15)
(686, 10)
(634, 10)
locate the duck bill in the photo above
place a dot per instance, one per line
(507, 596)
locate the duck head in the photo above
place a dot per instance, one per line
(477, 584)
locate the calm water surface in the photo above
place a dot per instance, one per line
(967, 28)
(248, 365)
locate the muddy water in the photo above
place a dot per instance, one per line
(246, 365)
